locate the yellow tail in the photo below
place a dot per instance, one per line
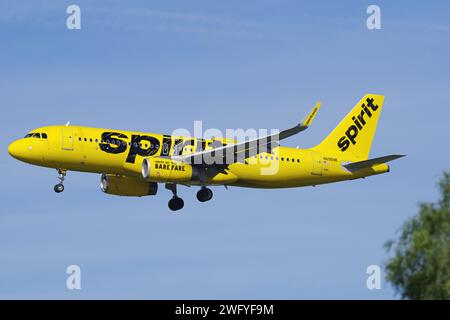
(354, 134)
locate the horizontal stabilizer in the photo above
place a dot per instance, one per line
(368, 163)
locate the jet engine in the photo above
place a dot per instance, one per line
(124, 186)
(166, 170)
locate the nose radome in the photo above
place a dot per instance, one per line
(14, 149)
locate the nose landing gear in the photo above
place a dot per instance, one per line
(61, 176)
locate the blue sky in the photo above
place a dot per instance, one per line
(159, 65)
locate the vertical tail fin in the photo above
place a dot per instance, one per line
(354, 134)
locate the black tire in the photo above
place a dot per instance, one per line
(176, 204)
(204, 194)
(59, 188)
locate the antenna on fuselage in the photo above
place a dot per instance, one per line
(67, 123)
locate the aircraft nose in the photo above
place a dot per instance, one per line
(14, 149)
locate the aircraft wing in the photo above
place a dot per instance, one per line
(238, 152)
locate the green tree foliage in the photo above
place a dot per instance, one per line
(420, 266)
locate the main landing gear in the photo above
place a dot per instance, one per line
(176, 203)
(204, 194)
(61, 176)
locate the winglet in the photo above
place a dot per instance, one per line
(308, 119)
(306, 122)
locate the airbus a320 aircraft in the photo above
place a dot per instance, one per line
(133, 163)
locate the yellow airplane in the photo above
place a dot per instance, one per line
(133, 163)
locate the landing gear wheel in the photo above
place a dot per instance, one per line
(204, 194)
(176, 203)
(61, 176)
(59, 188)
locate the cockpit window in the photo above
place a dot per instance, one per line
(36, 135)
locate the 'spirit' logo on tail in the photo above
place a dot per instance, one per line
(359, 123)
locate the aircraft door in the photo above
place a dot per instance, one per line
(317, 164)
(67, 138)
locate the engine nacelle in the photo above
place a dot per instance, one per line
(166, 170)
(124, 186)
